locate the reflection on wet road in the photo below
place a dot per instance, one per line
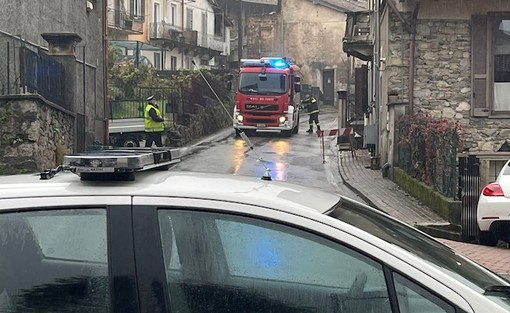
(297, 159)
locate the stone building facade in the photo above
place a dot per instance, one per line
(447, 49)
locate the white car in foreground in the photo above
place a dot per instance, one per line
(493, 211)
(189, 242)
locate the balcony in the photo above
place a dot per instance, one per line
(170, 37)
(190, 37)
(359, 35)
(124, 21)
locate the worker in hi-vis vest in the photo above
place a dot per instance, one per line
(154, 123)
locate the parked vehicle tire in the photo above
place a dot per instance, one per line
(129, 141)
(487, 238)
(295, 130)
(237, 133)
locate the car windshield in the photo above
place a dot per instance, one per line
(421, 245)
(263, 84)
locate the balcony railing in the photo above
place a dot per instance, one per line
(165, 31)
(211, 41)
(192, 37)
(359, 35)
(123, 20)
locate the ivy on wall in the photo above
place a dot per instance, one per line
(428, 149)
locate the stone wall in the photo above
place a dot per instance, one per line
(34, 135)
(443, 69)
(442, 78)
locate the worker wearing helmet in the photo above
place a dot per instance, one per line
(312, 107)
(154, 123)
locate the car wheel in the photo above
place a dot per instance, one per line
(487, 238)
(129, 141)
(295, 130)
(238, 132)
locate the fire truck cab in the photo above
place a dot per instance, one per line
(267, 98)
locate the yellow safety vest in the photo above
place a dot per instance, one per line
(152, 126)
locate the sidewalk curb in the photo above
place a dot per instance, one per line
(444, 231)
(354, 189)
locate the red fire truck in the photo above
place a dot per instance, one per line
(267, 98)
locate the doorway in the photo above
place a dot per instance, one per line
(328, 86)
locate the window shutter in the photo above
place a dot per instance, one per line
(479, 79)
(142, 4)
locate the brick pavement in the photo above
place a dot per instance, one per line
(384, 194)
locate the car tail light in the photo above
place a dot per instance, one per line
(493, 190)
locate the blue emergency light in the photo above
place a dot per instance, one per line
(266, 62)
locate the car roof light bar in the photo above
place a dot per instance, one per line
(106, 164)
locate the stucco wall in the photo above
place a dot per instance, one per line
(312, 36)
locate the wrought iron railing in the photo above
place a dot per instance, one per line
(25, 68)
(163, 30)
(427, 150)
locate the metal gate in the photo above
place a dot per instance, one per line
(468, 193)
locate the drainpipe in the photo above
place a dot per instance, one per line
(106, 113)
(377, 57)
(410, 91)
(411, 28)
(240, 33)
(182, 29)
(412, 53)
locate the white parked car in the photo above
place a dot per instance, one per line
(493, 211)
(189, 242)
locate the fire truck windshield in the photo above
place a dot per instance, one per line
(265, 84)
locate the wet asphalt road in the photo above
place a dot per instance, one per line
(298, 159)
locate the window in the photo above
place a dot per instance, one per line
(225, 263)
(188, 64)
(173, 14)
(218, 23)
(490, 65)
(204, 35)
(270, 83)
(157, 60)
(189, 19)
(173, 63)
(413, 298)
(54, 261)
(138, 8)
(502, 65)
